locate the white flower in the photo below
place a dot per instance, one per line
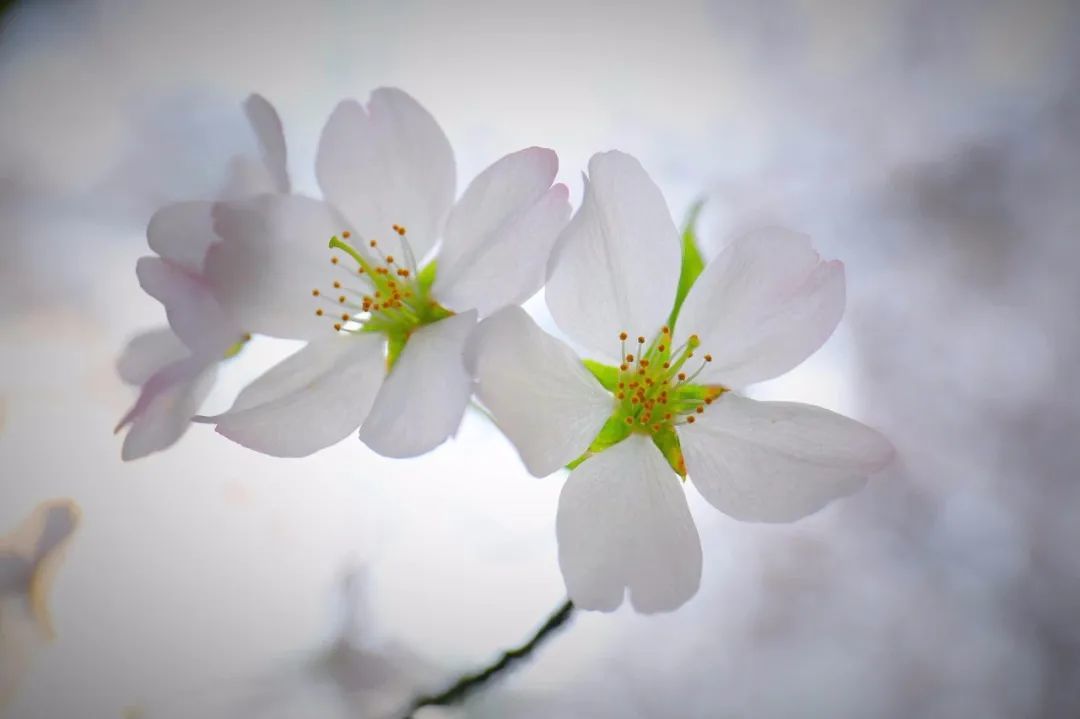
(176, 368)
(760, 308)
(29, 557)
(385, 339)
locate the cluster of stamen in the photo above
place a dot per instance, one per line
(382, 292)
(653, 389)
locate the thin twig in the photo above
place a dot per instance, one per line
(470, 682)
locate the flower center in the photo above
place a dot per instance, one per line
(381, 293)
(654, 390)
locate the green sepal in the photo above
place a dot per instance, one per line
(692, 261)
(615, 430)
(395, 345)
(606, 375)
(667, 441)
(426, 277)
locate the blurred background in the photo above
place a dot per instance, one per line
(932, 146)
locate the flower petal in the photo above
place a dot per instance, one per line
(624, 523)
(764, 305)
(147, 353)
(182, 233)
(166, 404)
(271, 138)
(311, 400)
(390, 164)
(273, 253)
(421, 403)
(615, 268)
(537, 390)
(778, 461)
(194, 315)
(500, 234)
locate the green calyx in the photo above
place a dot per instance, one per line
(396, 300)
(654, 392)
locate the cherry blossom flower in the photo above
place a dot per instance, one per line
(29, 557)
(176, 368)
(386, 332)
(665, 405)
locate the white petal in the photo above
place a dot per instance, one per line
(166, 404)
(540, 395)
(271, 138)
(765, 304)
(500, 234)
(182, 233)
(311, 400)
(623, 523)
(147, 353)
(274, 252)
(421, 403)
(778, 461)
(390, 164)
(194, 315)
(615, 268)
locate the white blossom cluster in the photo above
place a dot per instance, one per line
(407, 296)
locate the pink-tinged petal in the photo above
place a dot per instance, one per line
(268, 173)
(537, 390)
(194, 315)
(765, 304)
(389, 164)
(313, 399)
(500, 234)
(423, 399)
(273, 253)
(271, 138)
(182, 233)
(778, 461)
(624, 523)
(166, 404)
(147, 353)
(615, 268)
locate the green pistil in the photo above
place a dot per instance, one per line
(235, 348)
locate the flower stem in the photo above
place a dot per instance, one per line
(468, 683)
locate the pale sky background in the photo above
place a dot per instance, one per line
(930, 146)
